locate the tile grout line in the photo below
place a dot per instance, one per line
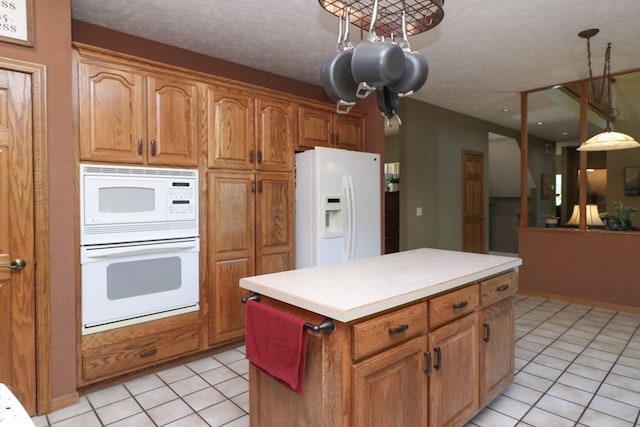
(609, 372)
(593, 394)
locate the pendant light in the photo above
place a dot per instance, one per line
(607, 139)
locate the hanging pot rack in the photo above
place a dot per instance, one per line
(421, 15)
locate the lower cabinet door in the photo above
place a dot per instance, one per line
(390, 387)
(496, 349)
(453, 383)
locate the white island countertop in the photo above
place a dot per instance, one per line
(359, 288)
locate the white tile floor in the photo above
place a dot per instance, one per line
(575, 366)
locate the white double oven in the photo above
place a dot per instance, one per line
(139, 244)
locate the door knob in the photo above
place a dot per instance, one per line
(16, 265)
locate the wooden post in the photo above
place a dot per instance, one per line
(524, 146)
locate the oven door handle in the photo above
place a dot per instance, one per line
(123, 251)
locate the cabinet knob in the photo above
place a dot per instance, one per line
(251, 156)
(140, 147)
(503, 288)
(153, 147)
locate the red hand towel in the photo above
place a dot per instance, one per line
(276, 342)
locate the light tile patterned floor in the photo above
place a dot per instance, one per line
(575, 366)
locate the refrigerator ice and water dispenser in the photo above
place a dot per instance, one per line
(333, 216)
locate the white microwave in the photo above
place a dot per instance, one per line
(126, 203)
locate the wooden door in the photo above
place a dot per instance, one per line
(389, 389)
(171, 121)
(315, 127)
(496, 349)
(17, 286)
(275, 135)
(473, 202)
(453, 385)
(274, 222)
(112, 114)
(231, 250)
(230, 128)
(348, 131)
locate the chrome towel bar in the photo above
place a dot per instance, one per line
(325, 326)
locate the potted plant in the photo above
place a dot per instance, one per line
(550, 220)
(394, 183)
(619, 218)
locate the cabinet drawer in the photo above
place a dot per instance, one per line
(388, 329)
(129, 355)
(498, 287)
(452, 305)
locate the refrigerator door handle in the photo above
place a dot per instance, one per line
(350, 235)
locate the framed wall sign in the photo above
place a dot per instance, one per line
(16, 21)
(632, 181)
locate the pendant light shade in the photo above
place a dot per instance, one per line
(609, 140)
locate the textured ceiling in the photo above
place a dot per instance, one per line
(480, 57)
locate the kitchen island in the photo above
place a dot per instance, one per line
(421, 337)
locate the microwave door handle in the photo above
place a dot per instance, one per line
(137, 250)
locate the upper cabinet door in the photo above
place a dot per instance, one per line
(112, 113)
(315, 127)
(171, 122)
(349, 131)
(275, 135)
(321, 126)
(230, 128)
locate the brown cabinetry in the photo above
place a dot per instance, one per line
(433, 362)
(250, 231)
(250, 197)
(453, 384)
(384, 383)
(496, 334)
(132, 115)
(496, 349)
(119, 351)
(245, 131)
(323, 127)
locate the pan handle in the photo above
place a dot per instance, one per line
(373, 36)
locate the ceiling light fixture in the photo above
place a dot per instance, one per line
(607, 139)
(421, 15)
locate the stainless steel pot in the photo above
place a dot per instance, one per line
(376, 63)
(335, 73)
(416, 69)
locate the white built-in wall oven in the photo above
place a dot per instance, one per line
(139, 244)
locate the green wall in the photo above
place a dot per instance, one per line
(431, 141)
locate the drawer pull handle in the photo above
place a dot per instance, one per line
(402, 328)
(459, 305)
(438, 363)
(503, 288)
(486, 334)
(148, 353)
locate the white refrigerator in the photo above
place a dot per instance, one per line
(338, 206)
